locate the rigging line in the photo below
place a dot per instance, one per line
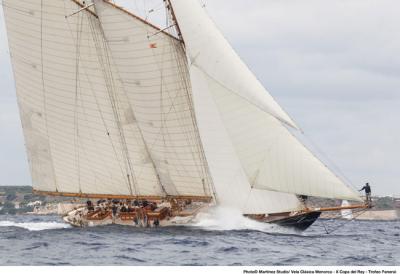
(347, 180)
(170, 11)
(164, 116)
(99, 50)
(142, 141)
(44, 93)
(342, 225)
(290, 132)
(176, 111)
(115, 102)
(313, 154)
(79, 27)
(183, 72)
(150, 156)
(168, 112)
(246, 202)
(267, 150)
(227, 132)
(203, 3)
(78, 11)
(148, 12)
(188, 88)
(97, 104)
(160, 31)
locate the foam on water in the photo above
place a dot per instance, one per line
(35, 226)
(222, 218)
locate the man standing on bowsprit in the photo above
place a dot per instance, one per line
(367, 189)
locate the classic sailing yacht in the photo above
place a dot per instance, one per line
(112, 107)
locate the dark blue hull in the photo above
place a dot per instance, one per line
(299, 222)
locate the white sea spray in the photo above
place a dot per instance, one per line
(224, 218)
(32, 226)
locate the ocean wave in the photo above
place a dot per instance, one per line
(35, 226)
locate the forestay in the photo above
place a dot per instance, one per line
(249, 121)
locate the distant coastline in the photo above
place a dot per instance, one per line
(21, 200)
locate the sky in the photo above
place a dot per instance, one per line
(334, 66)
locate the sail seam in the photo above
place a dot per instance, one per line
(44, 93)
(110, 90)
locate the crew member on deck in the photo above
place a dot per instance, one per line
(367, 189)
(114, 210)
(90, 206)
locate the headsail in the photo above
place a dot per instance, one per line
(229, 178)
(211, 53)
(271, 158)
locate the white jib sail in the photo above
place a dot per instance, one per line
(80, 132)
(230, 181)
(270, 157)
(211, 53)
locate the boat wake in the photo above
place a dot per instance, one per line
(222, 219)
(35, 226)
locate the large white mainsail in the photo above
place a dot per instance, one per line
(153, 70)
(80, 131)
(249, 121)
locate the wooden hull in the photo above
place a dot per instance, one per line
(164, 217)
(299, 220)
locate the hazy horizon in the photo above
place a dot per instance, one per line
(334, 67)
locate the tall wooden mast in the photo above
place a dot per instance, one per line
(169, 7)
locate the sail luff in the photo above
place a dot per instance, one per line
(211, 52)
(156, 28)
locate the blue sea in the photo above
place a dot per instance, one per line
(46, 240)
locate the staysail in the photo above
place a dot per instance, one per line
(250, 122)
